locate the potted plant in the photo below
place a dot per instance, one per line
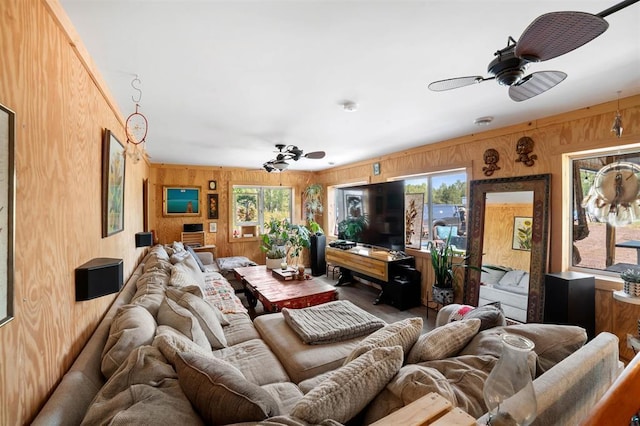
(631, 278)
(351, 228)
(442, 255)
(312, 201)
(289, 238)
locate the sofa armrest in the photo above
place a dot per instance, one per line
(445, 312)
(566, 393)
(205, 257)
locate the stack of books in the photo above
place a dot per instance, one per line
(284, 274)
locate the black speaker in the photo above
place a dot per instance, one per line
(570, 298)
(98, 277)
(144, 239)
(318, 263)
(192, 227)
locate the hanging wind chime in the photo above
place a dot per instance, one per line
(136, 127)
(614, 197)
(617, 121)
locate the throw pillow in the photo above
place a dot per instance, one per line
(512, 277)
(490, 315)
(204, 313)
(131, 327)
(489, 275)
(220, 393)
(174, 315)
(171, 342)
(350, 388)
(196, 258)
(401, 333)
(185, 274)
(149, 296)
(444, 341)
(460, 312)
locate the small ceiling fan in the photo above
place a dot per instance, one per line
(547, 37)
(289, 152)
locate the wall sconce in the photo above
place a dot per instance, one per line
(98, 277)
(144, 239)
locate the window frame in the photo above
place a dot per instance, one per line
(259, 222)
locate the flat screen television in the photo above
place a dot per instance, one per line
(381, 205)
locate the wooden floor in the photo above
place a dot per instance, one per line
(363, 296)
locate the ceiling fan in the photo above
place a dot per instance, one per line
(548, 36)
(289, 152)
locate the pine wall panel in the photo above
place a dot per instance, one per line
(60, 117)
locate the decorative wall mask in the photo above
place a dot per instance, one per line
(524, 147)
(491, 158)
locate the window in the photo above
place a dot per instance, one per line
(603, 237)
(255, 205)
(445, 205)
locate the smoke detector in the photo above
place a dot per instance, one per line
(350, 106)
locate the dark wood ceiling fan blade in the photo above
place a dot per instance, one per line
(316, 155)
(556, 33)
(454, 83)
(535, 84)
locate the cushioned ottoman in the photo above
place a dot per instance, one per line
(301, 361)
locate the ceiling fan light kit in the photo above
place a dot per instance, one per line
(290, 152)
(547, 37)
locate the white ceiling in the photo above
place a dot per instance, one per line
(224, 81)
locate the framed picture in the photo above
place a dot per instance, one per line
(7, 220)
(414, 205)
(213, 185)
(113, 168)
(246, 209)
(213, 227)
(353, 205)
(376, 169)
(181, 200)
(522, 231)
(212, 206)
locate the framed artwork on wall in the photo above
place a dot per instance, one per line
(522, 232)
(213, 227)
(181, 201)
(113, 169)
(213, 185)
(376, 169)
(7, 221)
(212, 205)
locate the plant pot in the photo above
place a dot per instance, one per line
(632, 289)
(275, 263)
(443, 296)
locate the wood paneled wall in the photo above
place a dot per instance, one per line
(498, 236)
(168, 229)
(60, 116)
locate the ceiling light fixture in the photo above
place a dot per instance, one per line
(617, 121)
(483, 121)
(290, 152)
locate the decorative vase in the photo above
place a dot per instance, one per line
(443, 296)
(632, 289)
(511, 377)
(274, 263)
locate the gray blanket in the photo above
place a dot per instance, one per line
(331, 322)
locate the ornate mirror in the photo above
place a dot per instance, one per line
(508, 238)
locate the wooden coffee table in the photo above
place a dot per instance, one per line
(275, 294)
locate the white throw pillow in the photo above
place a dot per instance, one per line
(444, 341)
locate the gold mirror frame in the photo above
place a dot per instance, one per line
(540, 185)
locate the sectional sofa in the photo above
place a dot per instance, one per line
(177, 346)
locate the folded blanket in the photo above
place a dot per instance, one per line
(331, 322)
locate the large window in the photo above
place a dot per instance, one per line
(255, 205)
(606, 230)
(444, 211)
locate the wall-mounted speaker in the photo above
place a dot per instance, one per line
(192, 227)
(98, 277)
(144, 239)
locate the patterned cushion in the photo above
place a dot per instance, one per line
(350, 388)
(403, 333)
(131, 327)
(459, 313)
(219, 293)
(444, 341)
(220, 393)
(173, 315)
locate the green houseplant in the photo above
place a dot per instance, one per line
(284, 238)
(631, 278)
(351, 228)
(312, 201)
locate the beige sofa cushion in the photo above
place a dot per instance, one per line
(204, 313)
(256, 361)
(299, 360)
(144, 390)
(285, 394)
(220, 393)
(443, 342)
(171, 342)
(132, 326)
(348, 390)
(403, 333)
(240, 329)
(186, 273)
(173, 315)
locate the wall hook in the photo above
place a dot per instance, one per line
(136, 80)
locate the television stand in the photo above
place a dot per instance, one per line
(394, 272)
